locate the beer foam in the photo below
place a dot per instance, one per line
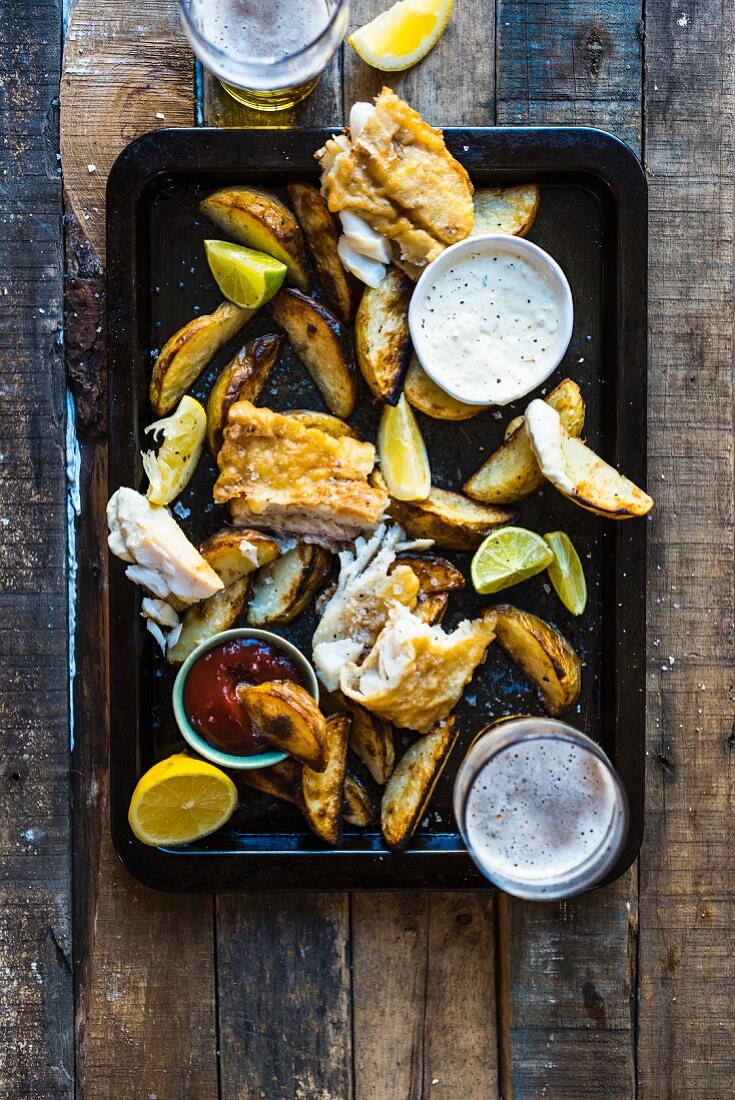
(260, 29)
(539, 809)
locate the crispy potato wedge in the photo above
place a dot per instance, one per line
(357, 808)
(424, 394)
(242, 379)
(321, 344)
(509, 210)
(288, 716)
(512, 426)
(411, 786)
(382, 338)
(261, 221)
(372, 741)
(325, 422)
(435, 573)
(451, 520)
(185, 355)
(323, 792)
(203, 620)
(281, 780)
(321, 231)
(577, 472)
(543, 654)
(284, 588)
(512, 472)
(432, 609)
(238, 553)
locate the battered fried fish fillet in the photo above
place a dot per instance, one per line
(358, 609)
(278, 473)
(415, 673)
(398, 175)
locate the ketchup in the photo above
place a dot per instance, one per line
(210, 699)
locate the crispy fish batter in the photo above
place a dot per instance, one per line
(398, 175)
(415, 673)
(276, 472)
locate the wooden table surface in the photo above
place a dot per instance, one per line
(109, 990)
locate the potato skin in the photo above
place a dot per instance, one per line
(543, 654)
(223, 552)
(323, 792)
(319, 227)
(295, 579)
(382, 337)
(243, 379)
(510, 210)
(412, 783)
(204, 620)
(428, 398)
(289, 717)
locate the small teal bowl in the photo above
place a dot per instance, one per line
(194, 740)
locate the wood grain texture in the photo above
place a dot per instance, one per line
(575, 64)
(424, 996)
(36, 1036)
(127, 70)
(322, 108)
(454, 85)
(687, 966)
(571, 966)
(284, 997)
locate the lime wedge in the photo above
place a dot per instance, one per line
(170, 471)
(566, 573)
(248, 278)
(508, 556)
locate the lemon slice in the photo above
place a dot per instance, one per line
(248, 278)
(403, 459)
(180, 800)
(566, 572)
(508, 556)
(170, 471)
(403, 34)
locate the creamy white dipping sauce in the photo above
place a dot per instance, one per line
(491, 319)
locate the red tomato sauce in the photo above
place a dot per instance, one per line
(210, 699)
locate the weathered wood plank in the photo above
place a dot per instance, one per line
(424, 996)
(127, 70)
(571, 966)
(36, 1035)
(687, 968)
(284, 990)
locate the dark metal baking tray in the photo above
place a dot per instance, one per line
(593, 219)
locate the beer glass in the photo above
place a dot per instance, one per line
(268, 54)
(541, 809)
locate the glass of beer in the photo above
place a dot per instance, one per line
(541, 809)
(268, 54)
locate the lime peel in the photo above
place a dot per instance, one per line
(245, 276)
(566, 572)
(507, 557)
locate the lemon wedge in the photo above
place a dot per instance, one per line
(404, 462)
(403, 34)
(170, 471)
(566, 572)
(508, 556)
(180, 800)
(247, 277)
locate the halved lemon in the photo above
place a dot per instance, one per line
(248, 278)
(403, 34)
(508, 556)
(170, 471)
(404, 462)
(180, 800)
(566, 572)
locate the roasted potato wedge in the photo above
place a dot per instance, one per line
(238, 553)
(323, 792)
(543, 654)
(282, 780)
(288, 716)
(261, 221)
(325, 422)
(321, 231)
(357, 808)
(424, 394)
(382, 338)
(321, 344)
(185, 355)
(435, 573)
(451, 520)
(284, 588)
(432, 609)
(371, 740)
(577, 472)
(512, 472)
(513, 426)
(509, 210)
(411, 786)
(242, 379)
(203, 620)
